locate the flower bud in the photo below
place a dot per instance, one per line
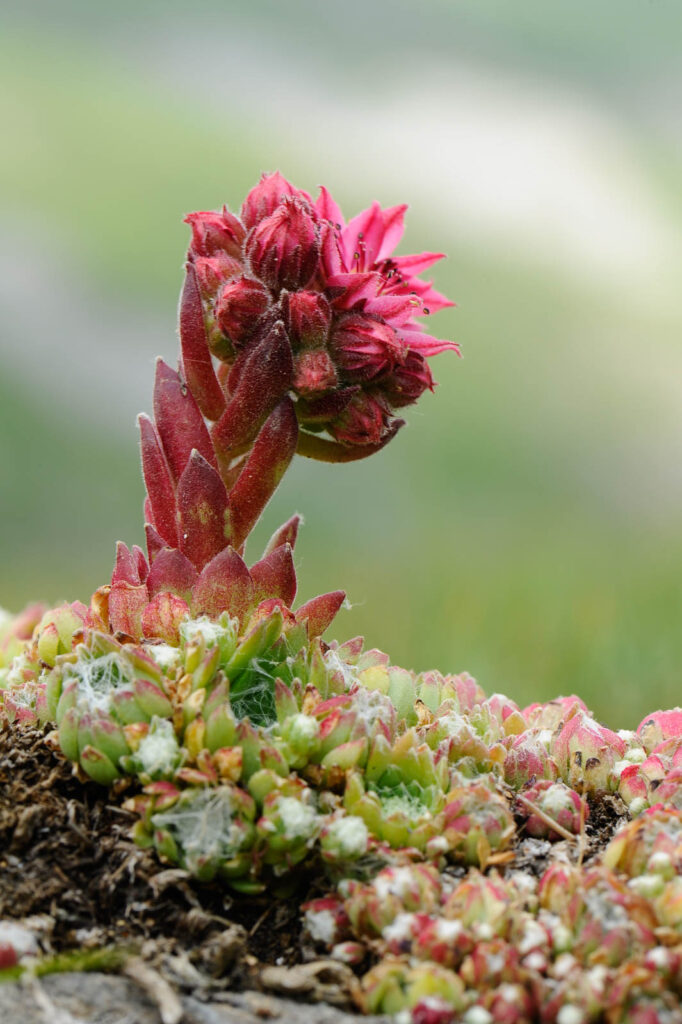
(212, 271)
(284, 248)
(265, 197)
(214, 232)
(314, 372)
(363, 421)
(408, 381)
(365, 347)
(308, 317)
(239, 306)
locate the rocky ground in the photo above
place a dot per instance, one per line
(72, 877)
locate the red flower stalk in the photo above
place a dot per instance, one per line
(291, 324)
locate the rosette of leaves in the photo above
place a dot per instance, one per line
(485, 905)
(348, 724)
(395, 892)
(609, 921)
(15, 634)
(34, 639)
(289, 824)
(477, 823)
(551, 810)
(208, 830)
(394, 985)
(95, 693)
(259, 699)
(401, 793)
(651, 843)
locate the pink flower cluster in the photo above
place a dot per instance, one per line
(290, 276)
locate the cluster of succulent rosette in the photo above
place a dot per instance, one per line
(255, 753)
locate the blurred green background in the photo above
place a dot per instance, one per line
(527, 525)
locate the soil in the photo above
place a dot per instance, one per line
(68, 863)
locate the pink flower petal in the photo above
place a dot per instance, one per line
(426, 344)
(394, 226)
(328, 209)
(416, 263)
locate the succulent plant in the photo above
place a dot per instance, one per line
(255, 753)
(208, 830)
(393, 986)
(401, 793)
(551, 810)
(97, 691)
(586, 753)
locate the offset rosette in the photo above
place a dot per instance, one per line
(209, 831)
(95, 694)
(551, 810)
(477, 823)
(428, 991)
(400, 795)
(34, 639)
(608, 920)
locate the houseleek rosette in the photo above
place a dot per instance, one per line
(209, 831)
(401, 793)
(95, 693)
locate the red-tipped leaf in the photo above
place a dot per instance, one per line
(125, 569)
(179, 421)
(202, 504)
(173, 571)
(140, 562)
(196, 358)
(314, 447)
(162, 617)
(265, 376)
(272, 452)
(158, 481)
(275, 575)
(318, 613)
(225, 584)
(126, 605)
(286, 534)
(155, 541)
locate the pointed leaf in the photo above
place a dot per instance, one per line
(125, 569)
(272, 452)
(140, 562)
(179, 422)
(332, 451)
(155, 542)
(225, 584)
(318, 613)
(158, 481)
(286, 534)
(202, 504)
(162, 617)
(173, 571)
(265, 376)
(327, 407)
(196, 358)
(275, 575)
(126, 604)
